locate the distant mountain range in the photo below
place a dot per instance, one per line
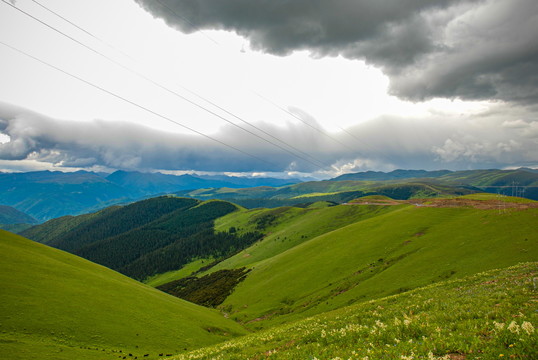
(140, 184)
(45, 195)
(398, 184)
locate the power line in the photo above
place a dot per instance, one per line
(134, 103)
(304, 122)
(80, 28)
(171, 11)
(259, 129)
(319, 130)
(167, 89)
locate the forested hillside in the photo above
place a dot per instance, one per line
(147, 237)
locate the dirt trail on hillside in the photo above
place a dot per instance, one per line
(448, 203)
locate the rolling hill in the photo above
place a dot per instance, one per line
(344, 243)
(305, 193)
(315, 260)
(14, 220)
(54, 305)
(336, 254)
(521, 182)
(10, 215)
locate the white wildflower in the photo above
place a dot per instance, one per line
(380, 324)
(513, 327)
(527, 326)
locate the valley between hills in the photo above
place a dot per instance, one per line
(400, 268)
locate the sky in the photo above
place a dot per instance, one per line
(302, 88)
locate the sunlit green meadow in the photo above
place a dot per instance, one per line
(491, 315)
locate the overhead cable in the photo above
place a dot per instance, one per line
(134, 103)
(169, 90)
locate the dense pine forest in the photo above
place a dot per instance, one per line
(149, 237)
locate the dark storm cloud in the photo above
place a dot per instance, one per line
(505, 136)
(471, 49)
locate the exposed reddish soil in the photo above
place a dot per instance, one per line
(447, 203)
(457, 356)
(477, 204)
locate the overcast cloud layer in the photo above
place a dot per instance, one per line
(495, 139)
(469, 49)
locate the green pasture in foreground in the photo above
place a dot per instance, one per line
(54, 305)
(490, 315)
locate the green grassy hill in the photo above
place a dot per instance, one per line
(315, 260)
(491, 315)
(493, 177)
(521, 182)
(288, 227)
(54, 305)
(303, 194)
